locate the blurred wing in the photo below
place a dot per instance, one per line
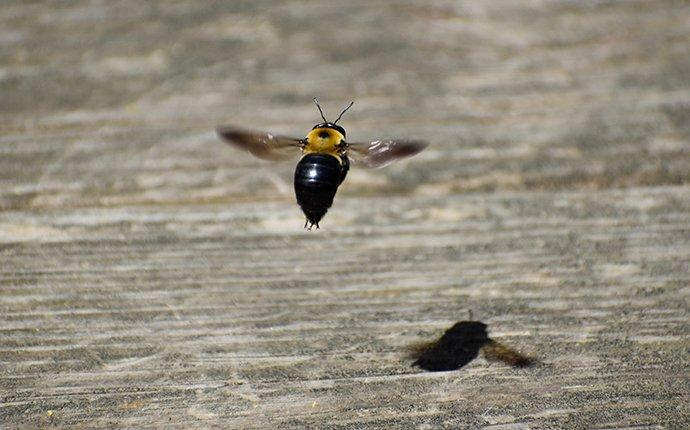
(263, 145)
(380, 153)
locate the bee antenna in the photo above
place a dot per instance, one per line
(320, 111)
(341, 113)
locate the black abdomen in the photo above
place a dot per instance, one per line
(317, 178)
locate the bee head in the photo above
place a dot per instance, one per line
(332, 125)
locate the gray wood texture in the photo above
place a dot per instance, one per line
(153, 277)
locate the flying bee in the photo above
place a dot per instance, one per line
(325, 158)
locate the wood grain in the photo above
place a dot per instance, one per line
(152, 277)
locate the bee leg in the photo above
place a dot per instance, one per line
(317, 225)
(306, 221)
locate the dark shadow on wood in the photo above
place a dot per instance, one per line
(461, 344)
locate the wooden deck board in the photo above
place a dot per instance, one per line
(152, 277)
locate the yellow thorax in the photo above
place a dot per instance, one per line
(324, 141)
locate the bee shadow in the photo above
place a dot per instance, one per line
(461, 344)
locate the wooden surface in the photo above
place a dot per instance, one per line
(152, 277)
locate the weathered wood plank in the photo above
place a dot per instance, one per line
(203, 314)
(152, 277)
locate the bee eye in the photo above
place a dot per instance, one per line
(324, 135)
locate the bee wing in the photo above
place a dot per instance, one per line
(380, 153)
(260, 144)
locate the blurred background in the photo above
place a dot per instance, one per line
(512, 95)
(153, 276)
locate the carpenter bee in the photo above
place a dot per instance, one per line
(325, 158)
